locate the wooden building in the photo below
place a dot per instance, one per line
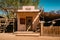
(27, 18)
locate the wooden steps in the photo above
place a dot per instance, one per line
(25, 33)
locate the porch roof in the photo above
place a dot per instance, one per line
(37, 10)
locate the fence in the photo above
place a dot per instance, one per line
(4, 24)
(52, 31)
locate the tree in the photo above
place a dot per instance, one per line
(29, 3)
(5, 4)
(35, 3)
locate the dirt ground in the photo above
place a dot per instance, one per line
(10, 36)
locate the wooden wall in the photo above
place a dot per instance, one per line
(24, 15)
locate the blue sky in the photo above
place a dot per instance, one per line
(1, 11)
(49, 5)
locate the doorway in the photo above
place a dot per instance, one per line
(28, 23)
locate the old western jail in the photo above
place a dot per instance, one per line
(30, 19)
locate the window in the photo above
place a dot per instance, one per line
(22, 21)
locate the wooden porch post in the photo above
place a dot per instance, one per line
(13, 25)
(42, 23)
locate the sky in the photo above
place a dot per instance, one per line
(50, 5)
(1, 11)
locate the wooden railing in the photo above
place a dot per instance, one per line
(4, 23)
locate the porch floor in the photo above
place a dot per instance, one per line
(26, 33)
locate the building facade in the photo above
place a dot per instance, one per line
(27, 18)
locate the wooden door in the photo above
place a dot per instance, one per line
(29, 23)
